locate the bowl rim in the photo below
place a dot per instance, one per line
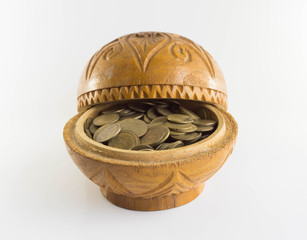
(76, 139)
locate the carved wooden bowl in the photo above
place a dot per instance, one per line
(145, 66)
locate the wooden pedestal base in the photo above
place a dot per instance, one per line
(154, 203)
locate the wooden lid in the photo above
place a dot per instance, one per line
(151, 65)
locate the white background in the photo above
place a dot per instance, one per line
(261, 46)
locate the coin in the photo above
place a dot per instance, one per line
(151, 113)
(126, 112)
(160, 147)
(105, 119)
(162, 104)
(184, 110)
(87, 123)
(136, 115)
(124, 140)
(193, 128)
(187, 136)
(88, 133)
(204, 136)
(177, 144)
(204, 128)
(114, 109)
(193, 140)
(150, 104)
(142, 125)
(139, 107)
(106, 132)
(146, 119)
(93, 128)
(155, 135)
(163, 110)
(157, 121)
(142, 147)
(180, 118)
(202, 113)
(136, 126)
(205, 122)
(176, 133)
(183, 127)
(165, 146)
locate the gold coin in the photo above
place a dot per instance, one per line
(193, 128)
(176, 133)
(88, 133)
(163, 111)
(124, 140)
(139, 107)
(187, 136)
(181, 127)
(193, 140)
(155, 135)
(150, 104)
(202, 113)
(161, 104)
(163, 124)
(159, 147)
(105, 119)
(88, 123)
(114, 109)
(157, 121)
(136, 115)
(205, 122)
(173, 102)
(204, 128)
(146, 119)
(165, 146)
(126, 112)
(204, 136)
(167, 133)
(136, 126)
(106, 132)
(180, 118)
(184, 110)
(93, 128)
(176, 144)
(142, 147)
(152, 113)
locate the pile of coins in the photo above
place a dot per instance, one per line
(149, 125)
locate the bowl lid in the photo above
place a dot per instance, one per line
(151, 65)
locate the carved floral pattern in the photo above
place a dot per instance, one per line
(145, 46)
(175, 183)
(107, 52)
(181, 52)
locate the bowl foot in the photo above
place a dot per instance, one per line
(154, 203)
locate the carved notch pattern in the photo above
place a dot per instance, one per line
(151, 91)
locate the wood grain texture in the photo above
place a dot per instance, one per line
(151, 65)
(141, 65)
(151, 180)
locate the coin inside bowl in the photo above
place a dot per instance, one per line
(212, 112)
(151, 180)
(160, 124)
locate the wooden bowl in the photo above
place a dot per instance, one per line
(161, 179)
